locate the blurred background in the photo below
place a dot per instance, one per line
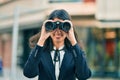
(97, 23)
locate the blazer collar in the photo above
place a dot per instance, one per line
(50, 69)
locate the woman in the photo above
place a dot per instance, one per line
(46, 45)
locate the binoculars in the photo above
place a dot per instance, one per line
(65, 26)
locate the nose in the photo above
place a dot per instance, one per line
(57, 30)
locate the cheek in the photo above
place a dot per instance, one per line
(64, 35)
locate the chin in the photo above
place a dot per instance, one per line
(58, 41)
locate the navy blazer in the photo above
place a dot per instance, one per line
(73, 65)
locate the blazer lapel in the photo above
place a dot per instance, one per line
(66, 61)
(48, 64)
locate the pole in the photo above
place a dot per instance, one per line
(15, 32)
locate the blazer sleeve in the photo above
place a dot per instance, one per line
(82, 70)
(31, 68)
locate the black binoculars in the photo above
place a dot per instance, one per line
(65, 26)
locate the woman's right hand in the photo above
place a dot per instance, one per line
(44, 34)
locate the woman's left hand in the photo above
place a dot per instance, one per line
(71, 35)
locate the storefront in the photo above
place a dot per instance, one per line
(102, 47)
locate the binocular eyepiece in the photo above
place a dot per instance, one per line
(65, 26)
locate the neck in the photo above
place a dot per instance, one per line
(58, 45)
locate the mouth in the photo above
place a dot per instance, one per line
(57, 37)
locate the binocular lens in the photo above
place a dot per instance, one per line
(49, 26)
(66, 26)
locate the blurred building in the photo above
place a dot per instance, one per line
(97, 23)
(107, 38)
(28, 15)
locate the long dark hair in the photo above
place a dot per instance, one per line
(48, 45)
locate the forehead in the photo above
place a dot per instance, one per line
(57, 19)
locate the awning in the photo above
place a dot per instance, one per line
(109, 24)
(31, 14)
(85, 22)
(77, 8)
(25, 22)
(93, 23)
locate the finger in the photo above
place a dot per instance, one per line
(42, 29)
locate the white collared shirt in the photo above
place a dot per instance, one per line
(62, 52)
